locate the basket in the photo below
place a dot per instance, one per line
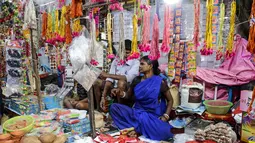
(218, 107)
(29, 119)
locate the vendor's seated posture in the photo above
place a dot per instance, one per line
(119, 76)
(80, 102)
(151, 111)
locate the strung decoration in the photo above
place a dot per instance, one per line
(191, 63)
(251, 40)
(134, 50)
(229, 51)
(62, 24)
(145, 45)
(122, 49)
(49, 28)
(207, 48)
(76, 28)
(76, 8)
(68, 30)
(154, 52)
(165, 48)
(57, 29)
(109, 35)
(116, 5)
(220, 48)
(196, 23)
(93, 44)
(61, 3)
(44, 24)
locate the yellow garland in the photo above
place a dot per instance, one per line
(62, 22)
(56, 22)
(109, 32)
(135, 32)
(49, 27)
(232, 27)
(220, 36)
(208, 36)
(76, 26)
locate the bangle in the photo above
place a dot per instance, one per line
(166, 116)
(123, 95)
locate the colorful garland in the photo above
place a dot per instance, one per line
(165, 48)
(134, 50)
(251, 40)
(44, 24)
(68, 31)
(145, 44)
(154, 52)
(76, 8)
(230, 43)
(220, 48)
(196, 23)
(207, 48)
(62, 23)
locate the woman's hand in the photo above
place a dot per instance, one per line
(164, 119)
(116, 92)
(102, 103)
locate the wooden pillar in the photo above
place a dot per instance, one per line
(92, 113)
(35, 71)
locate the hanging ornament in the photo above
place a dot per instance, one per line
(154, 52)
(251, 40)
(56, 34)
(220, 48)
(109, 35)
(165, 48)
(230, 42)
(207, 48)
(196, 23)
(116, 5)
(134, 50)
(62, 24)
(44, 24)
(73, 9)
(76, 8)
(145, 44)
(122, 49)
(68, 34)
(76, 28)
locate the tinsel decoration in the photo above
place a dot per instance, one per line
(122, 49)
(196, 23)
(145, 45)
(109, 35)
(220, 48)
(62, 24)
(154, 52)
(251, 40)
(165, 48)
(44, 24)
(230, 43)
(134, 50)
(68, 30)
(207, 48)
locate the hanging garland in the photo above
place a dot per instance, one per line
(207, 48)
(145, 44)
(220, 48)
(76, 8)
(165, 48)
(229, 52)
(251, 40)
(154, 52)
(62, 24)
(49, 28)
(196, 23)
(109, 35)
(68, 34)
(44, 24)
(134, 50)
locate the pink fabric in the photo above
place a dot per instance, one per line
(237, 70)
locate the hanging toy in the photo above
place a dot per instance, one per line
(219, 53)
(207, 48)
(109, 35)
(145, 45)
(251, 40)
(165, 48)
(229, 52)
(122, 49)
(154, 52)
(134, 50)
(196, 23)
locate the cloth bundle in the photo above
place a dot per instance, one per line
(219, 133)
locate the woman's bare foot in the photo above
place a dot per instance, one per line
(132, 134)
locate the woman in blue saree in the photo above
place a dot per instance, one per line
(150, 112)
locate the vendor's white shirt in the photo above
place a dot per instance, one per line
(130, 69)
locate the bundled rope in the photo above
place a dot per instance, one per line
(166, 41)
(68, 34)
(134, 50)
(145, 45)
(230, 43)
(196, 23)
(154, 52)
(219, 53)
(122, 49)
(207, 48)
(251, 40)
(109, 35)
(44, 24)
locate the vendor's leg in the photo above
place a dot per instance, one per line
(98, 91)
(122, 85)
(82, 105)
(70, 103)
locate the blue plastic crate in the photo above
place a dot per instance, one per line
(82, 127)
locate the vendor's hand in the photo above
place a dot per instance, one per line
(103, 75)
(163, 118)
(73, 102)
(102, 103)
(115, 92)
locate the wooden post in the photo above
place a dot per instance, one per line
(92, 113)
(35, 71)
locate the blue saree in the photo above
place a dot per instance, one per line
(144, 116)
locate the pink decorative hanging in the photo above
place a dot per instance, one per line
(166, 41)
(154, 52)
(196, 23)
(145, 45)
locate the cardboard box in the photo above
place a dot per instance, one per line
(248, 128)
